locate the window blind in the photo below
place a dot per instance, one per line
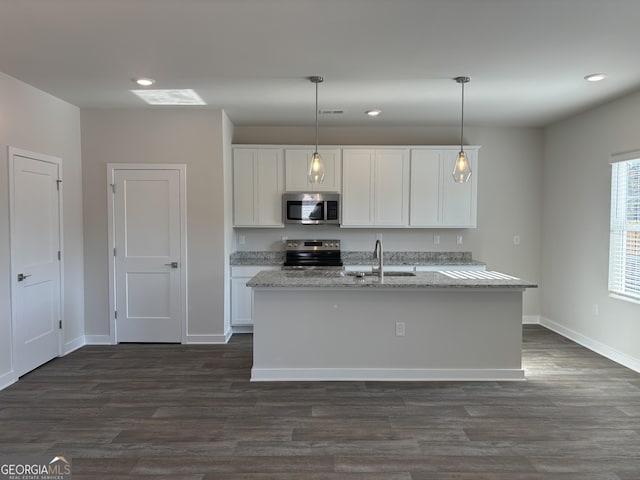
(624, 245)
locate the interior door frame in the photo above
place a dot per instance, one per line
(11, 153)
(111, 171)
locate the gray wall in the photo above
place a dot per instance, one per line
(509, 196)
(35, 121)
(194, 137)
(576, 229)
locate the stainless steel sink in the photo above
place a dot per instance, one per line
(386, 274)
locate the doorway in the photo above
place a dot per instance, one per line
(36, 252)
(147, 234)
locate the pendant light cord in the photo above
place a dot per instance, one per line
(462, 119)
(316, 117)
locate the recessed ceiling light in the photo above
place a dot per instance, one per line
(170, 97)
(595, 77)
(373, 113)
(144, 82)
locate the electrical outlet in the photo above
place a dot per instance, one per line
(459, 240)
(436, 239)
(516, 239)
(595, 310)
(241, 239)
(400, 329)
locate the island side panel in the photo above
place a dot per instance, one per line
(327, 334)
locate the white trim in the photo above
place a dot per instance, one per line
(624, 156)
(7, 379)
(98, 340)
(111, 169)
(383, 374)
(41, 157)
(594, 345)
(241, 329)
(73, 345)
(207, 339)
(624, 298)
(531, 319)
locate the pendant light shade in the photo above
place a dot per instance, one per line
(316, 167)
(462, 169)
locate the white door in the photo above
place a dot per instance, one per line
(148, 255)
(35, 261)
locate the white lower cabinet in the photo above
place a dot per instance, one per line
(241, 302)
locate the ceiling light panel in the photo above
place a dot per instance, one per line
(170, 97)
(595, 77)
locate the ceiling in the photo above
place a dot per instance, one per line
(252, 58)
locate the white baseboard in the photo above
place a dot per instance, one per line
(206, 339)
(242, 329)
(382, 374)
(73, 345)
(7, 379)
(600, 348)
(531, 319)
(98, 340)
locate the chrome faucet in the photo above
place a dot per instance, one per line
(377, 255)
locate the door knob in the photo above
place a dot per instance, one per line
(22, 276)
(172, 264)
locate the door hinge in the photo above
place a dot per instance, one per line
(114, 251)
(113, 187)
(115, 314)
(58, 182)
(60, 324)
(59, 255)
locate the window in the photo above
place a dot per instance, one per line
(624, 244)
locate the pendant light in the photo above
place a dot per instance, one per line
(316, 167)
(462, 170)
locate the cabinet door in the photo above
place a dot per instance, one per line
(426, 177)
(297, 161)
(459, 199)
(391, 188)
(258, 184)
(270, 187)
(244, 199)
(357, 187)
(241, 308)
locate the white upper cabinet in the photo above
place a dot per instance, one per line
(436, 200)
(375, 187)
(459, 200)
(297, 162)
(426, 166)
(392, 187)
(258, 185)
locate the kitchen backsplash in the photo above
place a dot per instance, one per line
(355, 239)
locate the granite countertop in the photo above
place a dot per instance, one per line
(427, 280)
(364, 258)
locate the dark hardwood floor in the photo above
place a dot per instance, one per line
(190, 413)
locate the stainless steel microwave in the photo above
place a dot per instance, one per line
(311, 208)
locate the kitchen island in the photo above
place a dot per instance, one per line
(425, 326)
